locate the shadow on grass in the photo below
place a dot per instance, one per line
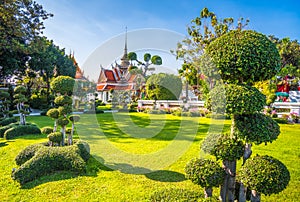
(3, 144)
(166, 176)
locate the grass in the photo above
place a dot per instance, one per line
(137, 134)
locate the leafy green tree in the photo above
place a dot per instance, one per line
(63, 87)
(204, 29)
(20, 99)
(54, 114)
(21, 22)
(50, 61)
(4, 105)
(145, 65)
(163, 87)
(250, 57)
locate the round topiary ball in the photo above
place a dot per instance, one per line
(236, 99)
(204, 172)
(227, 148)
(256, 128)
(265, 174)
(55, 137)
(244, 56)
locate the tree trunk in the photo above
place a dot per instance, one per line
(55, 126)
(255, 196)
(70, 136)
(208, 192)
(64, 135)
(242, 193)
(228, 187)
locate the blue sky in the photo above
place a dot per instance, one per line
(83, 26)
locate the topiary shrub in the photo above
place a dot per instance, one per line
(176, 194)
(7, 121)
(244, 56)
(5, 128)
(209, 142)
(239, 99)
(206, 173)
(55, 137)
(256, 128)
(47, 130)
(20, 130)
(27, 153)
(278, 120)
(38, 160)
(265, 174)
(227, 148)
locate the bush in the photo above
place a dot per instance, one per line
(204, 172)
(5, 128)
(27, 153)
(50, 159)
(227, 148)
(265, 174)
(47, 130)
(7, 121)
(175, 195)
(20, 130)
(256, 128)
(281, 120)
(55, 137)
(209, 142)
(156, 111)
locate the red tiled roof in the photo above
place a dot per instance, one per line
(109, 75)
(107, 87)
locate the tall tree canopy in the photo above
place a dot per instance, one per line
(21, 21)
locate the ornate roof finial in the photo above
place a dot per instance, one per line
(124, 59)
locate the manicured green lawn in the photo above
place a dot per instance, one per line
(131, 134)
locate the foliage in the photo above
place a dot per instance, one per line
(256, 128)
(63, 85)
(170, 194)
(209, 142)
(265, 174)
(27, 153)
(281, 120)
(20, 130)
(163, 87)
(21, 22)
(7, 121)
(74, 117)
(38, 101)
(227, 148)
(204, 172)
(63, 100)
(236, 99)
(50, 159)
(5, 128)
(55, 137)
(144, 65)
(84, 150)
(62, 121)
(53, 113)
(244, 56)
(46, 130)
(64, 110)
(268, 88)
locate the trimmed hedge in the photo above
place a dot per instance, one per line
(47, 130)
(38, 160)
(20, 130)
(5, 128)
(265, 174)
(175, 195)
(7, 121)
(27, 153)
(55, 137)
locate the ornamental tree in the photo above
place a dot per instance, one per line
(241, 58)
(163, 87)
(73, 118)
(148, 61)
(54, 114)
(63, 87)
(20, 99)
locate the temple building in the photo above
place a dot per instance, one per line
(118, 78)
